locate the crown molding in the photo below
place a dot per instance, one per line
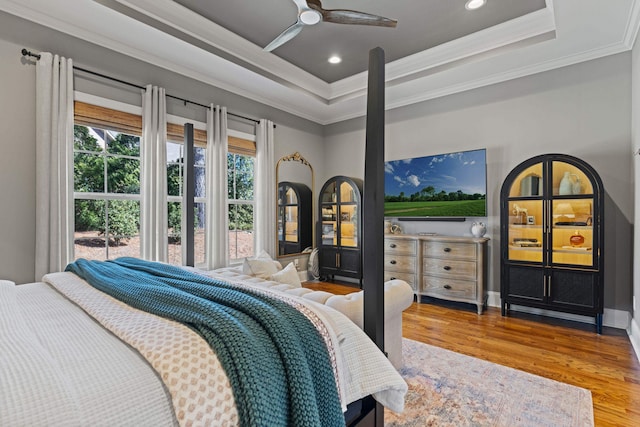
(631, 29)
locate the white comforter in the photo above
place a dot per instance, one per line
(57, 366)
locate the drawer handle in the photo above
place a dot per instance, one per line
(447, 249)
(393, 261)
(393, 245)
(446, 267)
(392, 278)
(447, 286)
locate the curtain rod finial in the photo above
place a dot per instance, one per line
(26, 52)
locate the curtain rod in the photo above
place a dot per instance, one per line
(26, 52)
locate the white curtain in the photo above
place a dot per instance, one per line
(217, 228)
(265, 189)
(153, 176)
(54, 164)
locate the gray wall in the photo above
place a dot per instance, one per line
(635, 129)
(17, 115)
(583, 110)
(17, 165)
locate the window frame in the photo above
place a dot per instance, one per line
(127, 118)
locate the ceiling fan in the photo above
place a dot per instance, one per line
(310, 12)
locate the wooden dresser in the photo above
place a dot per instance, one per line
(445, 267)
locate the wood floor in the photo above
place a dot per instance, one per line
(569, 352)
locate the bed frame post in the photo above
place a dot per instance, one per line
(373, 209)
(188, 196)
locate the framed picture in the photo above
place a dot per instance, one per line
(531, 220)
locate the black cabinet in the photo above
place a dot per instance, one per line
(339, 228)
(295, 232)
(552, 235)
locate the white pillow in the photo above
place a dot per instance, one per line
(259, 267)
(263, 255)
(288, 275)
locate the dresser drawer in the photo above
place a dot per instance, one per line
(407, 277)
(449, 268)
(449, 288)
(449, 250)
(399, 246)
(404, 263)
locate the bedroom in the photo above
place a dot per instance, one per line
(588, 109)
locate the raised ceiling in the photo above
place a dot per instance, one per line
(422, 25)
(437, 49)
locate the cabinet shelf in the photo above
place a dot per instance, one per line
(572, 250)
(526, 248)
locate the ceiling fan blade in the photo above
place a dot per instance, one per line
(343, 16)
(285, 36)
(302, 4)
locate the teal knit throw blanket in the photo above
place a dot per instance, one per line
(276, 361)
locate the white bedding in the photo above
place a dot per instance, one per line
(60, 367)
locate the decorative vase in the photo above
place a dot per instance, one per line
(478, 229)
(577, 186)
(576, 239)
(566, 186)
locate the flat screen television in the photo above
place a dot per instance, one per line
(452, 185)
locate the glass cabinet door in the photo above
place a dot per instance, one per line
(571, 215)
(330, 194)
(329, 199)
(526, 219)
(526, 230)
(348, 216)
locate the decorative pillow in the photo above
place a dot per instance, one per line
(259, 267)
(288, 275)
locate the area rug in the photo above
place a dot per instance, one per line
(451, 389)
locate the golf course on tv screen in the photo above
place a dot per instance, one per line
(445, 185)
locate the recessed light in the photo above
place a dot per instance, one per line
(335, 59)
(475, 4)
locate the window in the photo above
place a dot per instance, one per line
(106, 182)
(240, 172)
(175, 183)
(106, 193)
(107, 187)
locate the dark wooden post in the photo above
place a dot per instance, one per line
(188, 196)
(373, 209)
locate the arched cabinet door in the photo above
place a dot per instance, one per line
(552, 235)
(339, 228)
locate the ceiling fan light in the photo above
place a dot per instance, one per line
(310, 17)
(475, 4)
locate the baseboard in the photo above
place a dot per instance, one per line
(634, 336)
(619, 319)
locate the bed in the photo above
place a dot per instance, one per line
(72, 352)
(73, 355)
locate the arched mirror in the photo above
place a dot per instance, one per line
(294, 217)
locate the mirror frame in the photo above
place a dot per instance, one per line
(297, 157)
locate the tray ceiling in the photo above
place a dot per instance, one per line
(438, 47)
